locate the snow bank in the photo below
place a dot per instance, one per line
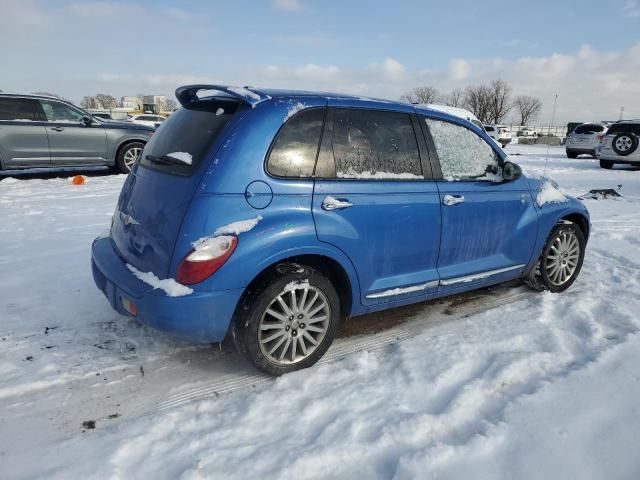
(549, 194)
(168, 285)
(184, 157)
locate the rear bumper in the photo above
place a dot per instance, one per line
(581, 148)
(201, 317)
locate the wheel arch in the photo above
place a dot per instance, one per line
(123, 143)
(580, 220)
(341, 277)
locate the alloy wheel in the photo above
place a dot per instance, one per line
(131, 155)
(562, 258)
(294, 324)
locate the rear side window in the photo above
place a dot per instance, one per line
(462, 153)
(180, 143)
(372, 144)
(296, 147)
(16, 109)
(589, 128)
(617, 128)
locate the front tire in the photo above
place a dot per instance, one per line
(561, 260)
(607, 164)
(128, 155)
(288, 323)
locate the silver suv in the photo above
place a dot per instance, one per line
(585, 139)
(38, 131)
(620, 144)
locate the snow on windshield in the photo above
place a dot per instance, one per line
(462, 153)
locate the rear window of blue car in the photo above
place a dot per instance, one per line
(183, 140)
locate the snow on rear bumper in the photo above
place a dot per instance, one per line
(201, 317)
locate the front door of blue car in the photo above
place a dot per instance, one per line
(489, 226)
(374, 200)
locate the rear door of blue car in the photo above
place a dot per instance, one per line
(489, 226)
(374, 199)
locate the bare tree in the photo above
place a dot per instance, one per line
(170, 105)
(478, 100)
(499, 100)
(455, 98)
(426, 94)
(527, 107)
(106, 101)
(89, 102)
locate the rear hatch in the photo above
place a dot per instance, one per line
(159, 190)
(586, 134)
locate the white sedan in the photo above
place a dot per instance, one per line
(147, 119)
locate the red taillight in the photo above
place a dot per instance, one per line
(205, 259)
(600, 138)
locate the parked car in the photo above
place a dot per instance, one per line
(147, 119)
(39, 131)
(500, 133)
(527, 132)
(620, 144)
(101, 115)
(585, 139)
(291, 211)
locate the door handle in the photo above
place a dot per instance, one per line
(330, 203)
(449, 200)
(57, 129)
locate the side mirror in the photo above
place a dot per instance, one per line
(511, 172)
(86, 121)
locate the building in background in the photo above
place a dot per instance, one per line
(154, 103)
(131, 103)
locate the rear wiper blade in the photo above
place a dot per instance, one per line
(164, 160)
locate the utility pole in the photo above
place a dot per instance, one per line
(621, 112)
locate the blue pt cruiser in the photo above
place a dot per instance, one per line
(273, 215)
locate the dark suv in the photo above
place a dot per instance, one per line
(39, 131)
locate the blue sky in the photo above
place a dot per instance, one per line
(586, 51)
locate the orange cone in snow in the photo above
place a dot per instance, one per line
(77, 180)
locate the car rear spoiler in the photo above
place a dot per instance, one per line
(189, 93)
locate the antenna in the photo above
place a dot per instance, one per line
(553, 118)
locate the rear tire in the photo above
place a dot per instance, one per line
(572, 155)
(608, 164)
(128, 155)
(561, 260)
(289, 322)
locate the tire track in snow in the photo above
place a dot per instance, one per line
(369, 342)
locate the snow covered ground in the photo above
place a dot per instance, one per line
(500, 383)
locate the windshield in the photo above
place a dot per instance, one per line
(589, 128)
(180, 143)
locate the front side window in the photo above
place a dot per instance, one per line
(59, 112)
(462, 153)
(16, 109)
(372, 144)
(296, 146)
